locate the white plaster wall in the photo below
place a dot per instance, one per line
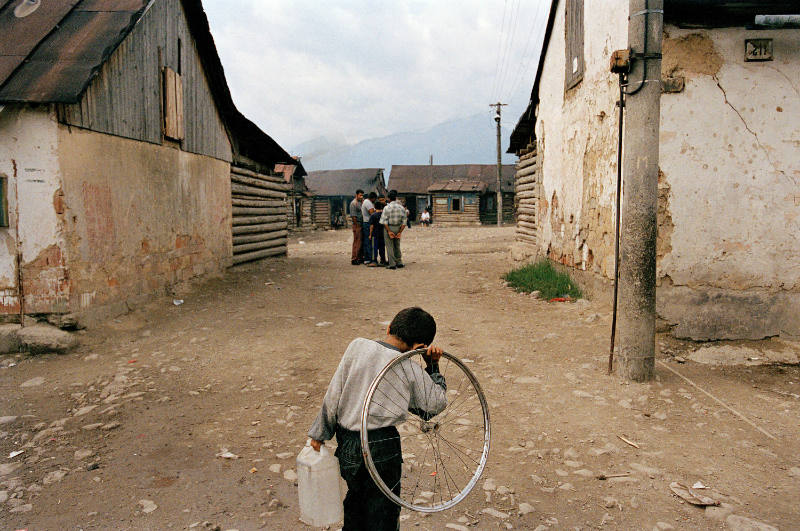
(576, 132)
(734, 167)
(29, 158)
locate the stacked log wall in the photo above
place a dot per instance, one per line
(468, 215)
(321, 213)
(260, 227)
(527, 186)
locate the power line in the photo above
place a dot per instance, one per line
(507, 57)
(499, 47)
(526, 60)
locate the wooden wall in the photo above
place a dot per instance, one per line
(527, 183)
(259, 215)
(321, 212)
(489, 215)
(125, 99)
(468, 215)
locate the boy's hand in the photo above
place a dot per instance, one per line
(433, 354)
(316, 445)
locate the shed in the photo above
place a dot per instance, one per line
(413, 182)
(332, 191)
(118, 137)
(729, 160)
(457, 202)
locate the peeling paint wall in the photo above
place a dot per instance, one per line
(576, 135)
(29, 160)
(729, 188)
(140, 217)
(730, 156)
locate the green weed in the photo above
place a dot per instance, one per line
(543, 277)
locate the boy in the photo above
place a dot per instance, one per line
(365, 506)
(376, 234)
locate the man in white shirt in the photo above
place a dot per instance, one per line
(367, 208)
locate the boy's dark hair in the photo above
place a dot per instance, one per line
(359, 191)
(373, 196)
(413, 325)
(392, 195)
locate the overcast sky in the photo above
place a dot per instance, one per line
(361, 69)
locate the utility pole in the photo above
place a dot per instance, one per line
(637, 266)
(497, 107)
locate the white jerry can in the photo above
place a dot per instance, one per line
(318, 487)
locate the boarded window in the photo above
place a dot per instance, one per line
(3, 201)
(173, 105)
(574, 43)
(455, 204)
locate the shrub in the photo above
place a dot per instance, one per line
(543, 277)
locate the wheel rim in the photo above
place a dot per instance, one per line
(444, 454)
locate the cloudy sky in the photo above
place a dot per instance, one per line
(359, 69)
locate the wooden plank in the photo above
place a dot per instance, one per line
(256, 220)
(527, 187)
(524, 172)
(179, 123)
(526, 225)
(250, 238)
(249, 173)
(251, 229)
(527, 179)
(259, 183)
(257, 255)
(255, 246)
(258, 203)
(257, 211)
(527, 195)
(260, 192)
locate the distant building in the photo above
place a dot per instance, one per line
(332, 191)
(729, 206)
(119, 142)
(414, 187)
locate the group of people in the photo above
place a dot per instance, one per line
(377, 228)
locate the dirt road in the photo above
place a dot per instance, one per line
(124, 432)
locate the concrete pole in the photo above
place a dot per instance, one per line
(637, 271)
(499, 172)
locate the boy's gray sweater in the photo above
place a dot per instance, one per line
(407, 386)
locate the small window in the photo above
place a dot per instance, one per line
(455, 204)
(573, 29)
(489, 202)
(3, 201)
(173, 104)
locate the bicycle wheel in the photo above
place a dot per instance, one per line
(444, 435)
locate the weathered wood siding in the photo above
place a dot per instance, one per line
(527, 183)
(125, 99)
(444, 215)
(259, 215)
(489, 215)
(321, 212)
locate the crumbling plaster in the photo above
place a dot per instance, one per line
(576, 132)
(140, 217)
(730, 155)
(29, 160)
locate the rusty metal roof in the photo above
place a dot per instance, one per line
(416, 179)
(345, 182)
(458, 186)
(51, 55)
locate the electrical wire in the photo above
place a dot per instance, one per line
(526, 61)
(616, 225)
(507, 56)
(499, 48)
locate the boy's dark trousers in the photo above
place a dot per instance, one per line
(365, 506)
(378, 246)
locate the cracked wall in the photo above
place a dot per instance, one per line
(729, 189)
(579, 158)
(730, 155)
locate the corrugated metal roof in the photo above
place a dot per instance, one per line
(345, 182)
(458, 186)
(51, 56)
(416, 179)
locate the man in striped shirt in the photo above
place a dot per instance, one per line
(393, 220)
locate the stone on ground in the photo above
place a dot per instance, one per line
(742, 523)
(41, 338)
(9, 338)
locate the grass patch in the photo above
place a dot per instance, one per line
(543, 277)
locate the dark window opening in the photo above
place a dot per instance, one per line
(455, 204)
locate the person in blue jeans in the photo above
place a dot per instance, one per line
(367, 208)
(376, 234)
